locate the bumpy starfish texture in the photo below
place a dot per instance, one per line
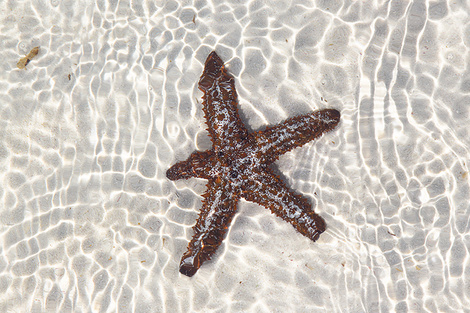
(238, 166)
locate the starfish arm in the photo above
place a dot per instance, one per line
(196, 165)
(219, 207)
(268, 190)
(294, 132)
(220, 105)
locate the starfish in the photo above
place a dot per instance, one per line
(238, 166)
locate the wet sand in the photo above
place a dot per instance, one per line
(90, 223)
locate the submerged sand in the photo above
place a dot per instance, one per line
(90, 223)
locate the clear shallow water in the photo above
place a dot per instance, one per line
(89, 223)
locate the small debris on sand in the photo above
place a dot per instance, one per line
(25, 60)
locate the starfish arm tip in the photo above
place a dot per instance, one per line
(171, 173)
(333, 115)
(180, 170)
(320, 227)
(188, 268)
(212, 68)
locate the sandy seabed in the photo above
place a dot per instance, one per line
(90, 223)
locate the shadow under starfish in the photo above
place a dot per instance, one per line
(238, 166)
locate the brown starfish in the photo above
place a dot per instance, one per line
(237, 166)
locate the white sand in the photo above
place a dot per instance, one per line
(89, 222)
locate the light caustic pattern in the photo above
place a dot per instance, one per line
(89, 222)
